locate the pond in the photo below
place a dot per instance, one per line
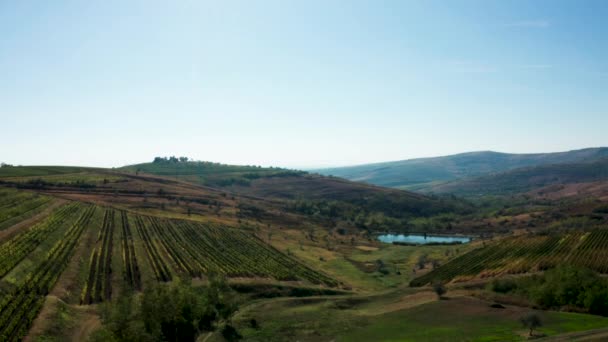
(422, 239)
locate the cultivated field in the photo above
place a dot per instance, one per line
(525, 253)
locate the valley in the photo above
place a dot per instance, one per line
(291, 244)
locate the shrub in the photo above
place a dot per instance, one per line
(503, 285)
(439, 289)
(531, 321)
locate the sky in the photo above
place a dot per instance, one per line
(298, 84)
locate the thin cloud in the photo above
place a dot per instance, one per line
(540, 23)
(536, 66)
(470, 67)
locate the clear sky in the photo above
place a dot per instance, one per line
(298, 83)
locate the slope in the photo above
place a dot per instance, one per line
(332, 198)
(528, 179)
(419, 174)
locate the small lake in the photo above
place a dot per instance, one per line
(422, 239)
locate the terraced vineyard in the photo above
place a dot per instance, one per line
(526, 253)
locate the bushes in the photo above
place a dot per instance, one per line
(168, 312)
(563, 286)
(503, 285)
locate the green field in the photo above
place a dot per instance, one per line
(423, 318)
(33, 171)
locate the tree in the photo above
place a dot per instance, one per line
(422, 260)
(531, 321)
(439, 289)
(168, 312)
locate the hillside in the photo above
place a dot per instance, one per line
(553, 176)
(84, 236)
(422, 174)
(331, 198)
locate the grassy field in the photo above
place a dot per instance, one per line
(31, 171)
(398, 316)
(466, 319)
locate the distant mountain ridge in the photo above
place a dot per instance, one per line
(526, 179)
(425, 174)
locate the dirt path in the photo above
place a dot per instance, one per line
(412, 300)
(589, 335)
(77, 321)
(12, 230)
(87, 324)
(42, 320)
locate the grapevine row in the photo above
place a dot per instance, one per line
(99, 283)
(18, 247)
(21, 307)
(523, 254)
(132, 275)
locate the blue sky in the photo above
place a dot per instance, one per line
(298, 83)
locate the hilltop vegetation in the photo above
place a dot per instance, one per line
(207, 173)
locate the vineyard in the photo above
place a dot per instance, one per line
(184, 248)
(99, 284)
(526, 253)
(194, 249)
(16, 206)
(119, 245)
(132, 276)
(18, 247)
(20, 307)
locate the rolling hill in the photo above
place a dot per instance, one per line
(310, 190)
(425, 173)
(72, 238)
(551, 178)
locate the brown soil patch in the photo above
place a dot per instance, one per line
(42, 320)
(82, 322)
(416, 299)
(86, 326)
(367, 248)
